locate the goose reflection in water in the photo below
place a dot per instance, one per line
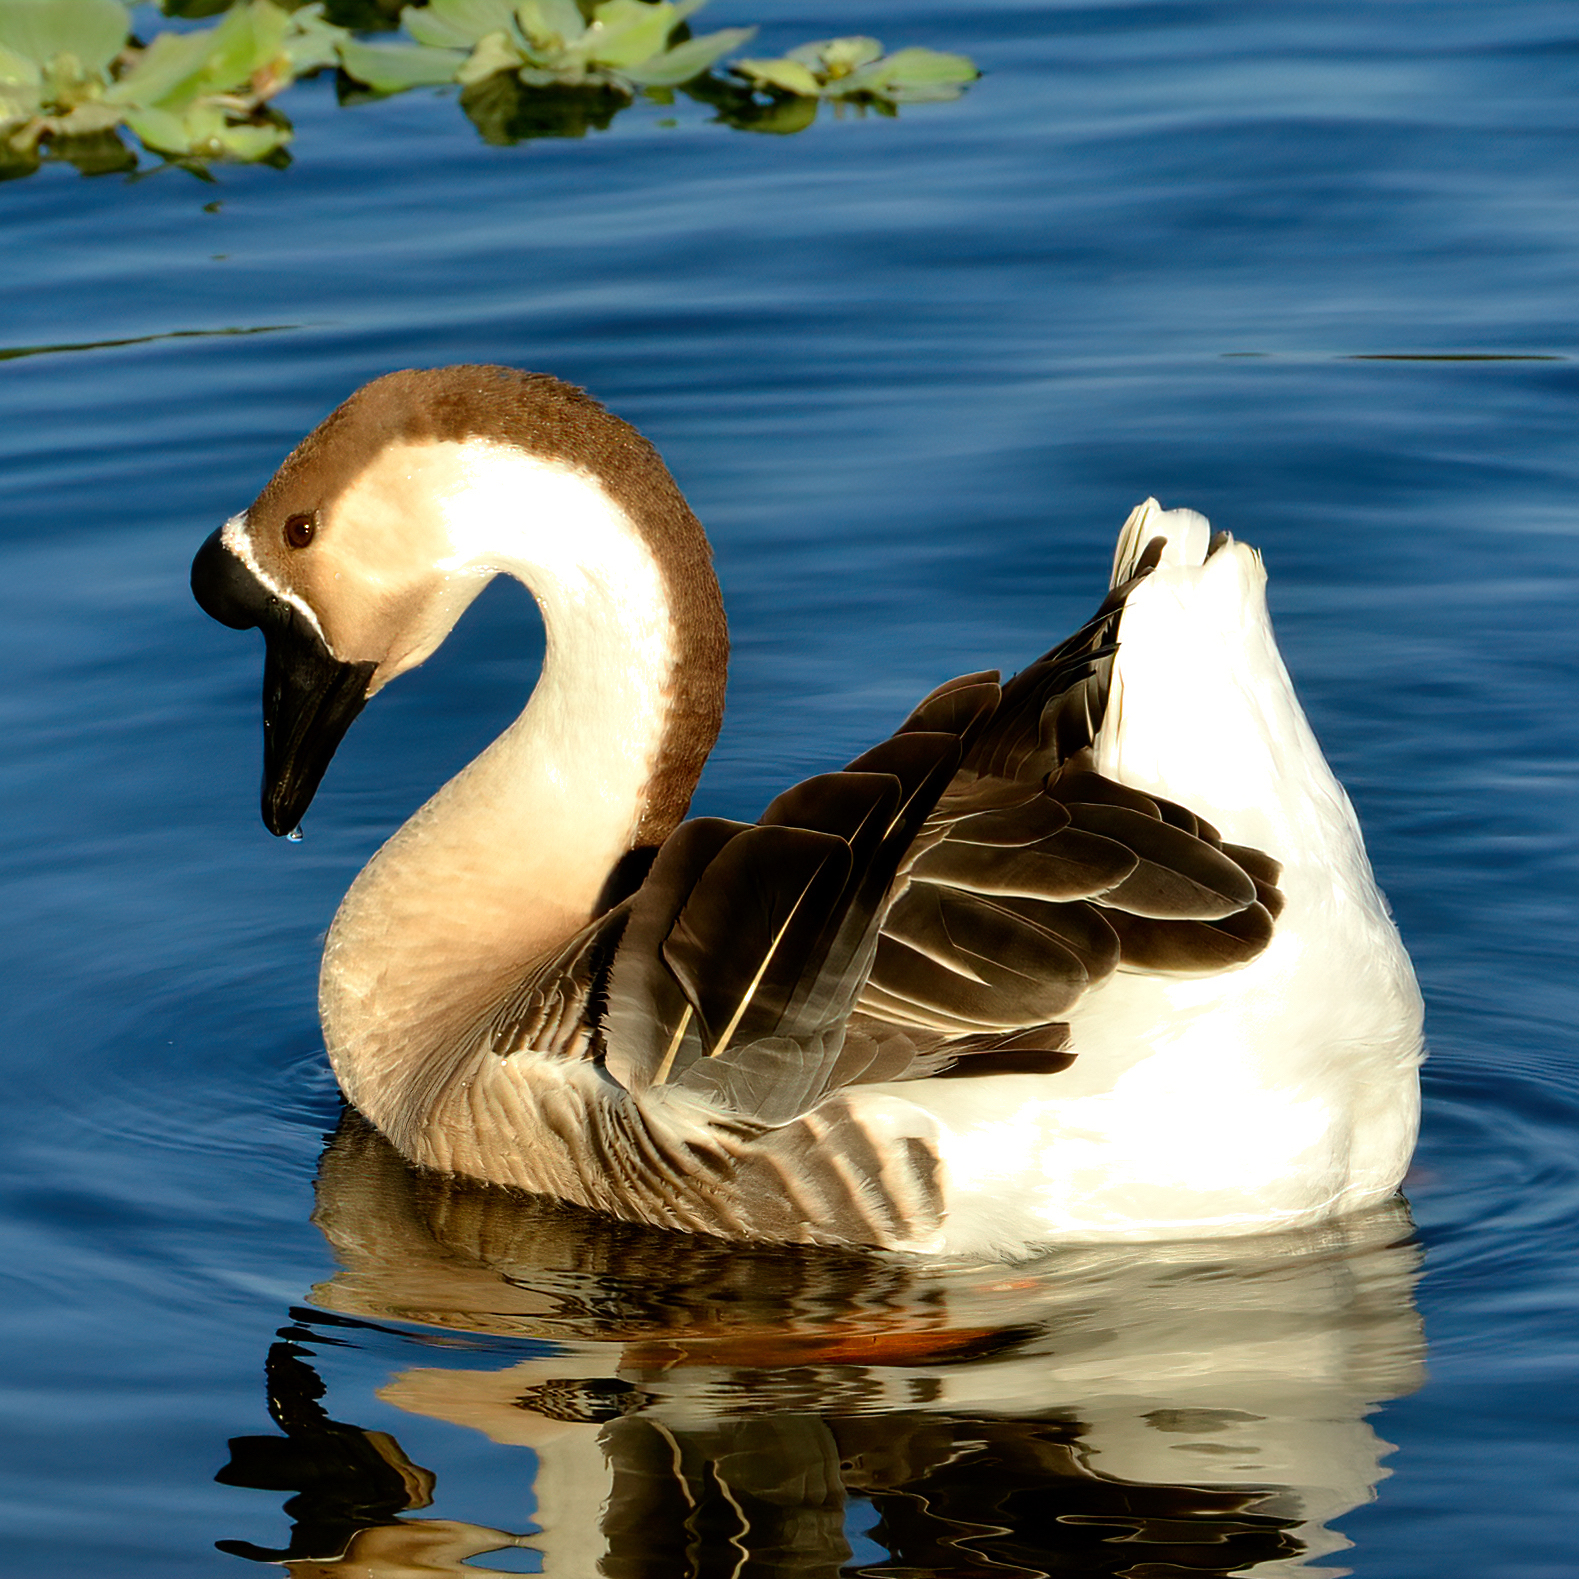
(704, 1408)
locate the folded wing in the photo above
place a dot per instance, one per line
(934, 910)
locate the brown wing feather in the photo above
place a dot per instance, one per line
(738, 948)
(933, 911)
(647, 1021)
(939, 906)
(1073, 865)
(1176, 874)
(555, 1009)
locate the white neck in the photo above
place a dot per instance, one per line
(508, 859)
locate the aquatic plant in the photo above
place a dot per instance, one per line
(73, 78)
(622, 45)
(857, 68)
(783, 95)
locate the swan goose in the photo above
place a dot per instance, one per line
(1095, 953)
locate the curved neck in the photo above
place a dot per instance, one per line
(509, 858)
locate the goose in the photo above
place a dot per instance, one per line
(1091, 954)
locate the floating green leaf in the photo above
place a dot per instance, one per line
(37, 33)
(54, 55)
(856, 68)
(551, 24)
(689, 59)
(391, 68)
(916, 76)
(72, 79)
(70, 75)
(458, 24)
(496, 52)
(786, 75)
(172, 70)
(621, 45)
(838, 57)
(203, 130)
(627, 32)
(312, 43)
(200, 94)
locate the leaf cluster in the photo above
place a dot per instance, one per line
(622, 45)
(857, 68)
(72, 75)
(73, 78)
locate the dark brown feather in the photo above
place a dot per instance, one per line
(1074, 864)
(1037, 1050)
(1191, 948)
(1032, 1061)
(1053, 708)
(1257, 863)
(937, 907)
(921, 763)
(957, 707)
(1081, 927)
(924, 762)
(1081, 784)
(1011, 827)
(1093, 788)
(646, 1007)
(1176, 875)
(738, 948)
(968, 794)
(1269, 898)
(965, 957)
(777, 933)
(846, 804)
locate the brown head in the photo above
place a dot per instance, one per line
(365, 547)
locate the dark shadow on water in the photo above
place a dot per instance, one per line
(346, 1480)
(11, 353)
(697, 1408)
(506, 111)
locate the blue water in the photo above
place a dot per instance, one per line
(1310, 269)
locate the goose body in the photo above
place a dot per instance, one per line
(1093, 953)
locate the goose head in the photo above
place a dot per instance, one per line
(386, 521)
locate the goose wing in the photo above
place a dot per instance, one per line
(1035, 878)
(718, 1000)
(936, 908)
(748, 944)
(933, 910)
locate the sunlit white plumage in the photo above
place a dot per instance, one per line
(1025, 973)
(1278, 1093)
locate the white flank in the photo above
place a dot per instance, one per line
(1276, 1094)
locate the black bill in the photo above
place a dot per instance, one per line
(310, 697)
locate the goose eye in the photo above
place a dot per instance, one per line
(300, 529)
